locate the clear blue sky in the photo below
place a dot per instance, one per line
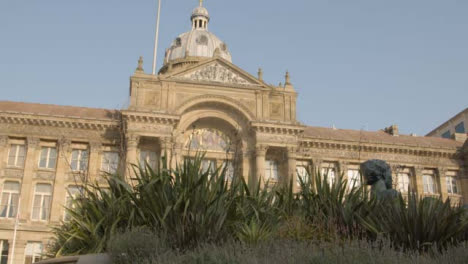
(356, 64)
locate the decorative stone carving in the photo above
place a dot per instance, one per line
(133, 141)
(216, 73)
(3, 141)
(13, 173)
(45, 175)
(33, 142)
(261, 150)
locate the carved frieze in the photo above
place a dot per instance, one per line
(216, 72)
(44, 175)
(13, 173)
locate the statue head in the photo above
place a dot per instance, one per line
(376, 170)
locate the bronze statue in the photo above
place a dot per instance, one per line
(378, 174)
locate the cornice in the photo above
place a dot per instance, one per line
(57, 121)
(379, 148)
(278, 128)
(148, 117)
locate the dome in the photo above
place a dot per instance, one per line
(197, 43)
(200, 11)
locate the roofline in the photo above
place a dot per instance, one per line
(448, 121)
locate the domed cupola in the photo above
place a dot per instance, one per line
(197, 44)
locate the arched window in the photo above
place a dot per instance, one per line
(208, 139)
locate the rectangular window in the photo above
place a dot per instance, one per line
(110, 162)
(403, 182)
(271, 171)
(208, 165)
(452, 183)
(16, 155)
(9, 199)
(148, 157)
(328, 172)
(73, 192)
(33, 252)
(48, 158)
(460, 128)
(79, 160)
(4, 247)
(354, 178)
(229, 170)
(42, 201)
(302, 175)
(447, 134)
(429, 183)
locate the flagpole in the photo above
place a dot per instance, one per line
(156, 38)
(15, 230)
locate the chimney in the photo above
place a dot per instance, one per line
(391, 130)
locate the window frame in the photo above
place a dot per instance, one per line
(302, 173)
(15, 165)
(354, 178)
(70, 197)
(325, 170)
(451, 181)
(103, 159)
(35, 254)
(271, 170)
(48, 158)
(10, 195)
(403, 185)
(148, 156)
(42, 207)
(2, 256)
(430, 175)
(79, 160)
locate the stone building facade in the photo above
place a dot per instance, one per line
(198, 101)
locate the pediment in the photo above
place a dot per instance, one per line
(217, 71)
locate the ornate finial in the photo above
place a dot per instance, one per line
(260, 74)
(140, 64)
(201, 2)
(288, 78)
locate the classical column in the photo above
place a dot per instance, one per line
(27, 188)
(166, 151)
(260, 153)
(94, 167)
(177, 157)
(131, 155)
(442, 171)
(60, 190)
(291, 176)
(246, 168)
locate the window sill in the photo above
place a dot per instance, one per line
(45, 170)
(14, 168)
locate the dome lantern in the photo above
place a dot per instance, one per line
(200, 17)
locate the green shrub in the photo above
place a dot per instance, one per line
(418, 224)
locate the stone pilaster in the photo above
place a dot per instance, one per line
(442, 182)
(27, 188)
(419, 188)
(260, 153)
(94, 167)
(60, 189)
(3, 152)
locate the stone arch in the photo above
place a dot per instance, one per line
(216, 99)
